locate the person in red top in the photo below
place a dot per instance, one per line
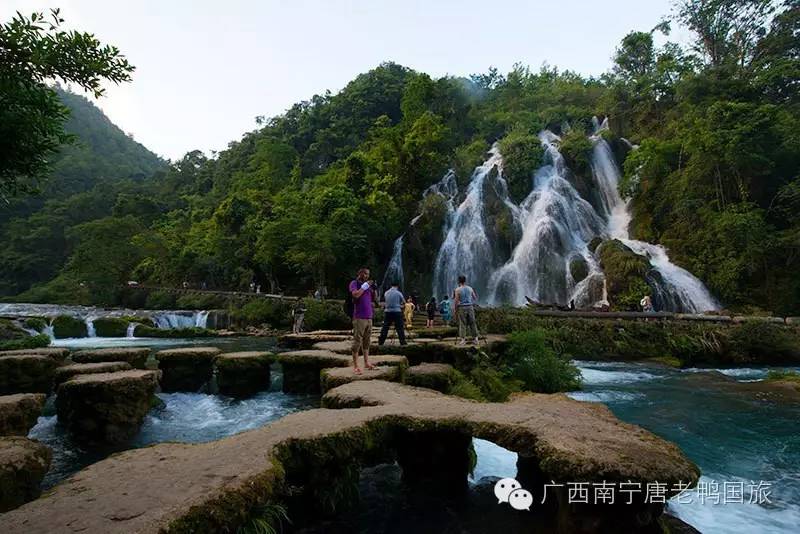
(363, 293)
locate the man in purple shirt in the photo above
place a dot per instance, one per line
(362, 292)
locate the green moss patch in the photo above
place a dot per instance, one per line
(66, 326)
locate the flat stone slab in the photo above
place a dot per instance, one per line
(135, 356)
(186, 369)
(66, 372)
(339, 376)
(301, 368)
(106, 408)
(307, 339)
(212, 486)
(18, 413)
(26, 373)
(23, 464)
(436, 376)
(242, 374)
(56, 353)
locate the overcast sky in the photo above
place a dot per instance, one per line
(205, 70)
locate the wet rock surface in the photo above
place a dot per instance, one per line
(243, 374)
(56, 353)
(18, 413)
(135, 356)
(302, 368)
(106, 408)
(338, 376)
(23, 464)
(187, 369)
(26, 373)
(64, 373)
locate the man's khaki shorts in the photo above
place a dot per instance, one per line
(362, 330)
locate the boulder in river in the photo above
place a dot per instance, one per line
(65, 326)
(135, 356)
(66, 372)
(106, 408)
(186, 369)
(23, 464)
(18, 413)
(243, 374)
(26, 373)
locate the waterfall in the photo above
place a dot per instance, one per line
(201, 319)
(674, 288)
(178, 319)
(557, 223)
(394, 271)
(466, 249)
(131, 328)
(90, 331)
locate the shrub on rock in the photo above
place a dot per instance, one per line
(135, 356)
(26, 373)
(65, 326)
(106, 408)
(242, 374)
(18, 413)
(28, 342)
(625, 275)
(110, 327)
(538, 367)
(186, 369)
(36, 323)
(23, 464)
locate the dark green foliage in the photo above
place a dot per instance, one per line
(275, 313)
(577, 151)
(495, 385)
(522, 155)
(781, 374)
(199, 301)
(625, 275)
(325, 315)
(534, 362)
(36, 323)
(110, 327)
(67, 326)
(160, 300)
(761, 341)
(29, 342)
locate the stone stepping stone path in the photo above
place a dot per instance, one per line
(301, 368)
(187, 369)
(18, 413)
(436, 376)
(56, 353)
(135, 356)
(339, 376)
(64, 373)
(243, 374)
(106, 408)
(23, 464)
(212, 487)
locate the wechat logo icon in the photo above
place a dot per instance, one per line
(510, 491)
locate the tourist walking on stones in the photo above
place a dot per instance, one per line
(465, 300)
(362, 291)
(408, 312)
(299, 313)
(446, 310)
(431, 309)
(393, 302)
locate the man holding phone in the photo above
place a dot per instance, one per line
(362, 290)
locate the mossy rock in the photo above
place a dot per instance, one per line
(66, 372)
(66, 326)
(135, 356)
(331, 378)
(437, 376)
(594, 243)
(57, 354)
(10, 331)
(110, 327)
(578, 268)
(106, 408)
(625, 273)
(26, 343)
(186, 369)
(36, 323)
(23, 464)
(301, 369)
(243, 374)
(26, 373)
(18, 413)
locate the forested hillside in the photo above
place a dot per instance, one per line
(326, 187)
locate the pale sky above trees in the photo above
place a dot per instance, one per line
(206, 69)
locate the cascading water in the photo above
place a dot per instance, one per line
(466, 249)
(674, 288)
(130, 330)
(557, 223)
(551, 262)
(394, 271)
(90, 331)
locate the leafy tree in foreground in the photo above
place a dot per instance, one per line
(34, 51)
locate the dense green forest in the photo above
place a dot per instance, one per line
(310, 195)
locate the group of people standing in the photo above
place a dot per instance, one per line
(398, 313)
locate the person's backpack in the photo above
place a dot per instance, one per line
(349, 306)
